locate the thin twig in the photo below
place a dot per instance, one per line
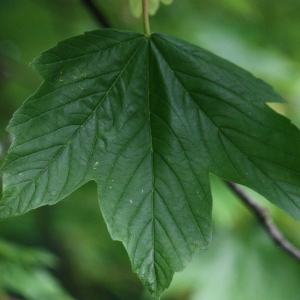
(266, 221)
(97, 13)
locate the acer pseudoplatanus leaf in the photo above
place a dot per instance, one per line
(148, 119)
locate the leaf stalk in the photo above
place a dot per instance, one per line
(146, 18)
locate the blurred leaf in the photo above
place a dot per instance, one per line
(23, 271)
(136, 6)
(243, 262)
(27, 256)
(166, 2)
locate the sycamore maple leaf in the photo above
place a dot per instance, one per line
(148, 119)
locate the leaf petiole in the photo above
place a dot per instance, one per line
(146, 18)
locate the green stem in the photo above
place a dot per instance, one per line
(146, 18)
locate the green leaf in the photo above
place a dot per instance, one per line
(24, 271)
(148, 119)
(166, 2)
(136, 6)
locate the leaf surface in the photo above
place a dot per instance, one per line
(148, 119)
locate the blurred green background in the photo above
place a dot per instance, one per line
(64, 252)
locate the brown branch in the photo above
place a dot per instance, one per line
(266, 221)
(96, 12)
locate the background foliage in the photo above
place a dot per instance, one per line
(261, 36)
